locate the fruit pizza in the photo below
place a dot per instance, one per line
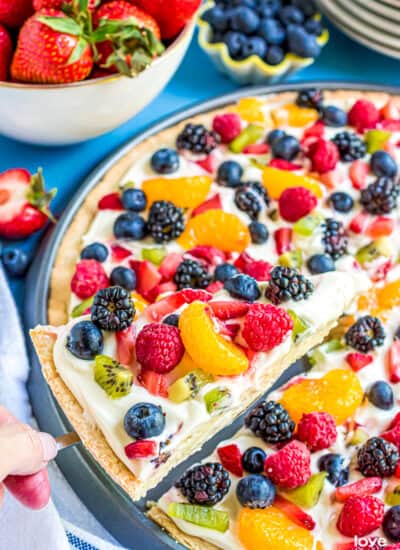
(209, 258)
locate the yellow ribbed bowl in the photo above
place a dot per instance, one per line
(252, 70)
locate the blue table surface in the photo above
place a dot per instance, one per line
(196, 80)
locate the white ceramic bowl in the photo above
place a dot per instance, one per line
(65, 114)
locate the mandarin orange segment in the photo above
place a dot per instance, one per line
(339, 393)
(276, 181)
(186, 192)
(210, 351)
(250, 109)
(292, 115)
(139, 302)
(271, 529)
(389, 295)
(216, 228)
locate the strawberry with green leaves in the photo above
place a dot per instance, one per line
(58, 4)
(171, 15)
(24, 203)
(14, 12)
(6, 50)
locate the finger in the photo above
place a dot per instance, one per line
(6, 417)
(1, 494)
(32, 491)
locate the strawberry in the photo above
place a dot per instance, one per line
(215, 286)
(256, 149)
(228, 310)
(283, 164)
(207, 164)
(283, 239)
(24, 203)
(126, 345)
(380, 227)
(169, 265)
(141, 449)
(359, 223)
(358, 361)
(394, 362)
(134, 37)
(213, 256)
(231, 459)
(360, 488)
(154, 382)
(147, 276)
(6, 50)
(294, 512)
(51, 49)
(112, 201)
(358, 173)
(14, 12)
(161, 308)
(119, 253)
(213, 203)
(172, 16)
(58, 4)
(163, 288)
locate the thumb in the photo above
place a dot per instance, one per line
(23, 450)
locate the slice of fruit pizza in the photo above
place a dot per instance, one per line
(144, 393)
(316, 465)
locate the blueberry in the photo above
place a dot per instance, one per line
(255, 45)
(95, 251)
(172, 319)
(275, 55)
(123, 276)
(301, 43)
(397, 334)
(85, 340)
(223, 272)
(259, 232)
(380, 394)
(286, 147)
(382, 164)
(130, 226)
(253, 460)
(144, 420)
(274, 135)
(245, 20)
(229, 173)
(320, 263)
(291, 15)
(15, 261)
(235, 42)
(333, 464)
(134, 200)
(243, 287)
(314, 26)
(333, 116)
(341, 201)
(217, 37)
(216, 17)
(165, 161)
(391, 524)
(269, 8)
(308, 7)
(247, 3)
(272, 31)
(255, 491)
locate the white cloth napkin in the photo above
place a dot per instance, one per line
(20, 528)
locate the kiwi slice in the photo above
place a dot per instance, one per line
(308, 495)
(115, 379)
(217, 400)
(248, 136)
(299, 324)
(392, 498)
(189, 385)
(307, 225)
(293, 259)
(376, 139)
(82, 307)
(200, 515)
(358, 436)
(154, 255)
(372, 251)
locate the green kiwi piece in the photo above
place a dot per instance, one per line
(115, 379)
(217, 400)
(82, 307)
(308, 495)
(200, 515)
(188, 386)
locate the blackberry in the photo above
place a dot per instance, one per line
(191, 274)
(113, 309)
(366, 334)
(377, 457)
(206, 484)
(250, 197)
(350, 146)
(334, 238)
(381, 196)
(287, 284)
(196, 138)
(270, 421)
(311, 98)
(165, 221)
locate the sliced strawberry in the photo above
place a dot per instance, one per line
(359, 223)
(259, 269)
(213, 203)
(358, 173)
(256, 149)
(390, 125)
(380, 227)
(231, 330)
(210, 254)
(159, 290)
(390, 111)
(394, 362)
(397, 471)
(141, 449)
(294, 512)
(393, 436)
(189, 295)
(363, 487)
(169, 265)
(283, 239)
(283, 164)
(112, 201)
(147, 276)
(208, 164)
(157, 311)
(358, 361)
(215, 286)
(126, 345)
(380, 273)
(154, 382)
(224, 310)
(395, 421)
(119, 253)
(231, 459)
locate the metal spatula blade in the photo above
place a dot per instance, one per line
(67, 440)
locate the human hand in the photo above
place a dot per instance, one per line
(24, 454)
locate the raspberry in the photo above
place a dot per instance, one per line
(159, 347)
(290, 466)
(324, 156)
(317, 430)
(296, 202)
(231, 459)
(360, 516)
(266, 326)
(259, 269)
(228, 126)
(363, 115)
(89, 278)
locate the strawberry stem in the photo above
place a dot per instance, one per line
(38, 197)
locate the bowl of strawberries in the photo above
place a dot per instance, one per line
(71, 70)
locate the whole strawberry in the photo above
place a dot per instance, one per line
(51, 49)
(14, 12)
(24, 204)
(172, 16)
(5, 53)
(58, 4)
